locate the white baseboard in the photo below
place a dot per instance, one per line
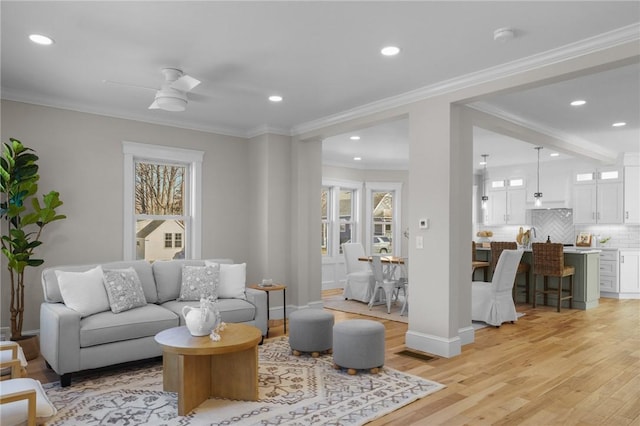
(441, 346)
(467, 335)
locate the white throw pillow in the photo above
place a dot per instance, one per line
(124, 289)
(199, 282)
(233, 280)
(84, 291)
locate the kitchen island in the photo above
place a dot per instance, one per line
(586, 281)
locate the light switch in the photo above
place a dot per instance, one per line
(419, 242)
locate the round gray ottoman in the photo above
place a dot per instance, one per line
(310, 330)
(358, 344)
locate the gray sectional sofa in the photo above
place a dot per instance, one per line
(70, 343)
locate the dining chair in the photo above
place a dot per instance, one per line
(359, 278)
(523, 267)
(491, 302)
(478, 264)
(381, 283)
(548, 261)
(22, 399)
(404, 279)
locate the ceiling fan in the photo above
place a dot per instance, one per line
(172, 95)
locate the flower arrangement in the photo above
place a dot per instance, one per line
(209, 305)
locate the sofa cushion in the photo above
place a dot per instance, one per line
(124, 289)
(233, 280)
(231, 310)
(107, 327)
(51, 288)
(168, 276)
(83, 292)
(199, 282)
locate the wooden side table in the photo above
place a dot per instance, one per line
(269, 289)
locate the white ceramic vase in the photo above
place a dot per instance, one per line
(198, 322)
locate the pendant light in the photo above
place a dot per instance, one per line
(484, 198)
(538, 195)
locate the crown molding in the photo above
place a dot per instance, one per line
(9, 95)
(566, 142)
(589, 45)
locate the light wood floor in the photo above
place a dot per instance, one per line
(573, 367)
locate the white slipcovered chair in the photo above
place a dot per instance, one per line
(359, 282)
(23, 401)
(491, 302)
(387, 285)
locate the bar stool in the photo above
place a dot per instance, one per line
(548, 261)
(523, 267)
(478, 264)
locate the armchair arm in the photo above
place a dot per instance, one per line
(60, 337)
(30, 396)
(16, 368)
(259, 300)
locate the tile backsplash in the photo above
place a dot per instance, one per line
(558, 225)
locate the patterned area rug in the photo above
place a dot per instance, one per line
(293, 391)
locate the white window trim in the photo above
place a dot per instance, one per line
(137, 151)
(397, 214)
(335, 186)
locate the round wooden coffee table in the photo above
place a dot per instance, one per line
(197, 368)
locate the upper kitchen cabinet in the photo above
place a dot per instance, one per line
(632, 194)
(507, 202)
(598, 197)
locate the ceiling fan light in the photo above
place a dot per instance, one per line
(172, 104)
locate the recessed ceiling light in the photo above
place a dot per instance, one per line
(578, 102)
(390, 50)
(355, 138)
(504, 35)
(619, 124)
(41, 39)
(275, 98)
(554, 154)
(357, 158)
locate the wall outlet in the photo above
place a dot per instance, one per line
(419, 242)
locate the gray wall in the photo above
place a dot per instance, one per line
(81, 157)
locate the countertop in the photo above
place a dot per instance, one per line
(568, 249)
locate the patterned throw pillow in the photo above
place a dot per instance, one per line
(124, 289)
(199, 282)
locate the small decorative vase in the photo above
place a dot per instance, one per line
(200, 321)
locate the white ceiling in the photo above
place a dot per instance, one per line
(322, 57)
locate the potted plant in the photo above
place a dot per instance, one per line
(23, 226)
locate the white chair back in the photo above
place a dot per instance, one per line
(352, 251)
(505, 273)
(376, 264)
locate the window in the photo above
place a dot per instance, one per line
(339, 216)
(383, 217)
(162, 202)
(325, 197)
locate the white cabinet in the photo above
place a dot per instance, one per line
(609, 272)
(632, 194)
(507, 202)
(598, 197)
(630, 273)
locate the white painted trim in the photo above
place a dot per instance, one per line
(190, 157)
(431, 344)
(467, 335)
